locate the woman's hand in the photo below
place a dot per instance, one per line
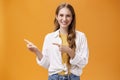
(62, 48)
(33, 48)
(65, 49)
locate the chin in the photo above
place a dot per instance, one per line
(64, 26)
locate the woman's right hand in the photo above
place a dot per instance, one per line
(34, 49)
(31, 46)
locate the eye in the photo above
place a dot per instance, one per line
(68, 15)
(61, 15)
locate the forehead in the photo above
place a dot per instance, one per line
(64, 11)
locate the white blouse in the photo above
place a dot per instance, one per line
(52, 59)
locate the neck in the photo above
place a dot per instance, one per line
(64, 30)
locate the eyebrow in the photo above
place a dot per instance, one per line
(65, 14)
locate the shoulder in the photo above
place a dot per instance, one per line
(51, 34)
(80, 37)
(79, 33)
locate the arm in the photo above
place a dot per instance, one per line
(44, 61)
(34, 49)
(81, 55)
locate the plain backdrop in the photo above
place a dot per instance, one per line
(33, 19)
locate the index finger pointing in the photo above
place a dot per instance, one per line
(28, 42)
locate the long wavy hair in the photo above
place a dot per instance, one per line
(71, 28)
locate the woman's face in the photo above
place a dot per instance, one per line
(64, 17)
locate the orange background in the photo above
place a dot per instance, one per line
(33, 19)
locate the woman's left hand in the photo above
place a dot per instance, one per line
(65, 49)
(62, 48)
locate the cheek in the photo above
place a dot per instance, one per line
(70, 20)
(59, 18)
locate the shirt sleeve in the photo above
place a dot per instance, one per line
(45, 59)
(81, 54)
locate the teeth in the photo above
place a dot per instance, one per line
(64, 23)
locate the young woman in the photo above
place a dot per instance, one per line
(65, 51)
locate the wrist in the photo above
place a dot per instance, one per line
(71, 53)
(38, 54)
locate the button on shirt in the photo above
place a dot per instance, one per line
(52, 59)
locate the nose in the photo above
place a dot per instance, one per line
(64, 18)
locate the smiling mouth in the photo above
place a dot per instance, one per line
(64, 23)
